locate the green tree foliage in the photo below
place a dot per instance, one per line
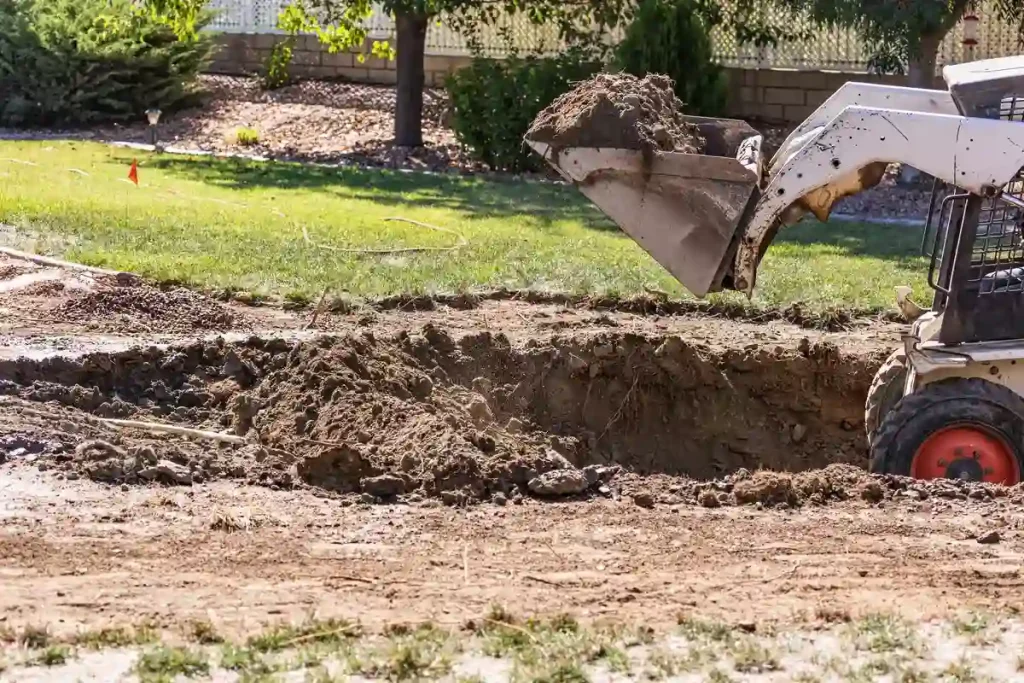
(340, 24)
(901, 33)
(85, 61)
(673, 37)
(494, 102)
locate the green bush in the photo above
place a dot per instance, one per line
(494, 102)
(673, 37)
(88, 61)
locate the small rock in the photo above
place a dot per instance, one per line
(367, 498)
(799, 433)
(384, 486)
(499, 498)
(561, 482)
(453, 498)
(604, 350)
(990, 538)
(872, 491)
(576, 364)
(643, 499)
(709, 499)
(746, 627)
(125, 487)
(514, 425)
(168, 471)
(479, 410)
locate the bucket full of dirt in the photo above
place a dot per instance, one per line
(681, 186)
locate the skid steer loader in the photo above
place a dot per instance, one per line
(949, 402)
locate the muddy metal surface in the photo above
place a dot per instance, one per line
(398, 465)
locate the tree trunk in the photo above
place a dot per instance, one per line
(921, 72)
(411, 33)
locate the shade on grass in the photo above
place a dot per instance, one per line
(235, 224)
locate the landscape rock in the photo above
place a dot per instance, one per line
(561, 482)
(383, 486)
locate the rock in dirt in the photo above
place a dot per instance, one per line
(618, 111)
(990, 538)
(643, 499)
(709, 499)
(562, 482)
(384, 486)
(168, 472)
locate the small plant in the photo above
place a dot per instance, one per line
(114, 636)
(425, 652)
(165, 663)
(883, 633)
(749, 656)
(34, 637)
(284, 636)
(247, 137)
(54, 655)
(244, 660)
(204, 633)
(494, 102)
(698, 629)
(959, 672)
(275, 69)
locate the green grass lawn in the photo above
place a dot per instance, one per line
(231, 224)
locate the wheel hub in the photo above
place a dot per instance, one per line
(968, 452)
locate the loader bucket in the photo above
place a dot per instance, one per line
(685, 210)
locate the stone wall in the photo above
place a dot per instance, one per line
(773, 95)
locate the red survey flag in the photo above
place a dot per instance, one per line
(133, 172)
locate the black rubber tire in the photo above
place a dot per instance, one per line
(943, 404)
(885, 392)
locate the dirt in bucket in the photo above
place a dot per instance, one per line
(618, 111)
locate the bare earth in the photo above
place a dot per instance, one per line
(655, 421)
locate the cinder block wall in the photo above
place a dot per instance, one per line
(774, 95)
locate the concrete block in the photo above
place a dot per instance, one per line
(337, 59)
(783, 96)
(306, 57)
(354, 74)
(796, 113)
(777, 78)
(386, 76)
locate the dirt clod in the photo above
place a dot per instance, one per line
(562, 482)
(990, 538)
(618, 111)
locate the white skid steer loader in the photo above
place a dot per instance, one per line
(947, 404)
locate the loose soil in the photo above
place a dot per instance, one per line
(618, 111)
(407, 462)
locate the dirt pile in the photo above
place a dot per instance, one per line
(426, 414)
(618, 111)
(136, 307)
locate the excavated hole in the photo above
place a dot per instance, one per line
(426, 414)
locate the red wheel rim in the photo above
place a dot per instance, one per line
(971, 452)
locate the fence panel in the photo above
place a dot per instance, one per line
(838, 49)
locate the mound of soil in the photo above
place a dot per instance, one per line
(618, 111)
(142, 308)
(459, 419)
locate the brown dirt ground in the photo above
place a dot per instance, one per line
(448, 415)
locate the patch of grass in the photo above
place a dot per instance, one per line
(960, 671)
(616, 660)
(700, 629)
(313, 631)
(54, 655)
(884, 633)
(114, 636)
(423, 652)
(165, 663)
(204, 633)
(977, 627)
(247, 137)
(34, 637)
(229, 224)
(719, 676)
(244, 660)
(750, 656)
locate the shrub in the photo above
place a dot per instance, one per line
(247, 137)
(494, 103)
(87, 61)
(673, 37)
